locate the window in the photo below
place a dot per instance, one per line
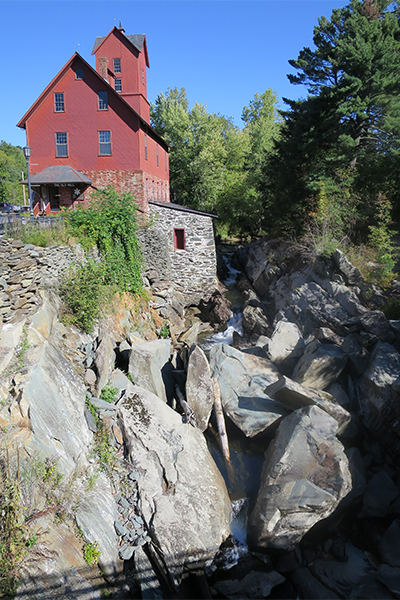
(158, 160)
(145, 146)
(104, 143)
(142, 76)
(118, 84)
(61, 144)
(103, 100)
(117, 65)
(179, 239)
(79, 73)
(59, 102)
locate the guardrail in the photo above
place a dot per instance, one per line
(11, 222)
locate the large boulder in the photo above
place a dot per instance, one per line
(199, 387)
(182, 495)
(286, 346)
(148, 362)
(242, 379)
(304, 477)
(320, 365)
(104, 359)
(293, 396)
(379, 402)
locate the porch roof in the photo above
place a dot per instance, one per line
(58, 175)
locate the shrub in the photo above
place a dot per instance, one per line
(91, 553)
(111, 223)
(109, 393)
(81, 291)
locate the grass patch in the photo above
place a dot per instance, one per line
(109, 393)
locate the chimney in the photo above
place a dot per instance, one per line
(102, 67)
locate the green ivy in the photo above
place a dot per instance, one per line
(111, 223)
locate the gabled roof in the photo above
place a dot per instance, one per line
(59, 174)
(111, 90)
(137, 40)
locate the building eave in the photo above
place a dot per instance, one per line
(181, 208)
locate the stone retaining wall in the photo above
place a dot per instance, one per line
(24, 268)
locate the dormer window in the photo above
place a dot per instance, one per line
(118, 84)
(103, 100)
(59, 102)
(117, 65)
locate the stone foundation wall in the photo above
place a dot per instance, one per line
(194, 269)
(155, 252)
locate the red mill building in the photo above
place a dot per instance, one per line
(91, 128)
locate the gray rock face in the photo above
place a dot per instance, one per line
(146, 362)
(96, 516)
(320, 365)
(351, 274)
(199, 388)
(54, 398)
(375, 323)
(105, 359)
(304, 477)
(286, 346)
(182, 495)
(242, 379)
(379, 402)
(293, 395)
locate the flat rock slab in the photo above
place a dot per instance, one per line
(304, 477)
(182, 495)
(199, 387)
(146, 363)
(242, 379)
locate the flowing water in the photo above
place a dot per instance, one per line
(247, 456)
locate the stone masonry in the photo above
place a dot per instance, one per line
(193, 270)
(25, 268)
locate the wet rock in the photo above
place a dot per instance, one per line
(199, 387)
(320, 365)
(216, 310)
(182, 495)
(286, 346)
(242, 380)
(295, 494)
(147, 361)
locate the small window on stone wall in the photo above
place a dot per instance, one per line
(179, 239)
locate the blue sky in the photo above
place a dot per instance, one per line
(222, 52)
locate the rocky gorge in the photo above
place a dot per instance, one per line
(310, 393)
